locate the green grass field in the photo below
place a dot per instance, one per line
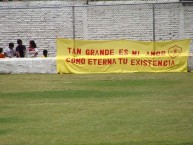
(97, 109)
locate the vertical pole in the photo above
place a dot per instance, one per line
(153, 8)
(153, 22)
(73, 21)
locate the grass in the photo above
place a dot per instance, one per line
(97, 109)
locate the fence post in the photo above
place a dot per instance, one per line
(153, 8)
(73, 21)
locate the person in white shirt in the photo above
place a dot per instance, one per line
(32, 49)
(10, 52)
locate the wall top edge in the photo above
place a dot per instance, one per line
(15, 4)
(66, 3)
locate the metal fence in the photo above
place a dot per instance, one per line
(96, 21)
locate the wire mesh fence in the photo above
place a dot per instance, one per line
(145, 20)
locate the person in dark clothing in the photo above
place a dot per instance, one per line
(20, 49)
(45, 53)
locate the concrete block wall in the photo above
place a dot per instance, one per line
(173, 22)
(28, 65)
(44, 21)
(167, 24)
(188, 23)
(120, 22)
(43, 25)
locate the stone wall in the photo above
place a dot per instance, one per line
(44, 21)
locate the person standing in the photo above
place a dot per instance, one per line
(10, 52)
(20, 49)
(32, 49)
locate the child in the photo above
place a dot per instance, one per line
(10, 52)
(1, 53)
(45, 53)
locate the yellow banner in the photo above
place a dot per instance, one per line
(121, 56)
